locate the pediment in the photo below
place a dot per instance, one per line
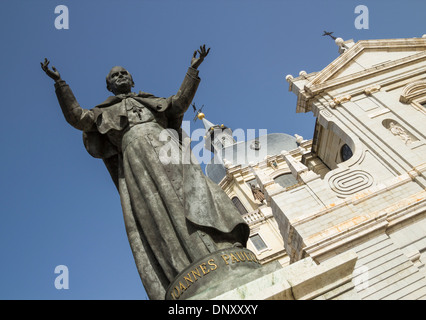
(367, 57)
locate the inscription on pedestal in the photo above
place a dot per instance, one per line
(210, 271)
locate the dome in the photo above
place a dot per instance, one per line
(244, 152)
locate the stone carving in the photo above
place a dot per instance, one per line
(400, 132)
(340, 100)
(299, 138)
(370, 90)
(326, 113)
(348, 182)
(257, 193)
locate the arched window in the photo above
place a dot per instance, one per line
(415, 94)
(239, 205)
(286, 180)
(345, 152)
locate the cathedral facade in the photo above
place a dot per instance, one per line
(353, 197)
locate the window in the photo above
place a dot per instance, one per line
(239, 205)
(286, 180)
(258, 242)
(345, 152)
(414, 93)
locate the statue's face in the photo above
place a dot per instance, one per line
(119, 80)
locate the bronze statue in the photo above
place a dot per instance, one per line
(173, 213)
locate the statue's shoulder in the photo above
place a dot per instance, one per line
(146, 95)
(108, 102)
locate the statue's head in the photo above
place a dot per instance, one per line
(119, 80)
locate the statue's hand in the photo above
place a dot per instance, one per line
(195, 62)
(54, 74)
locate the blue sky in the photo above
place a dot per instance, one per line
(58, 204)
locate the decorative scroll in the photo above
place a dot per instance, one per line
(370, 90)
(350, 182)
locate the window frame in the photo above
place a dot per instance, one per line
(240, 203)
(259, 251)
(414, 93)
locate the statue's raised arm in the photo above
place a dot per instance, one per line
(76, 116)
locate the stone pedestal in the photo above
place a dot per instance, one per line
(217, 273)
(303, 280)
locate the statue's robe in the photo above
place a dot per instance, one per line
(173, 213)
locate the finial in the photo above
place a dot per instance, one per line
(227, 163)
(342, 44)
(299, 139)
(339, 41)
(199, 114)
